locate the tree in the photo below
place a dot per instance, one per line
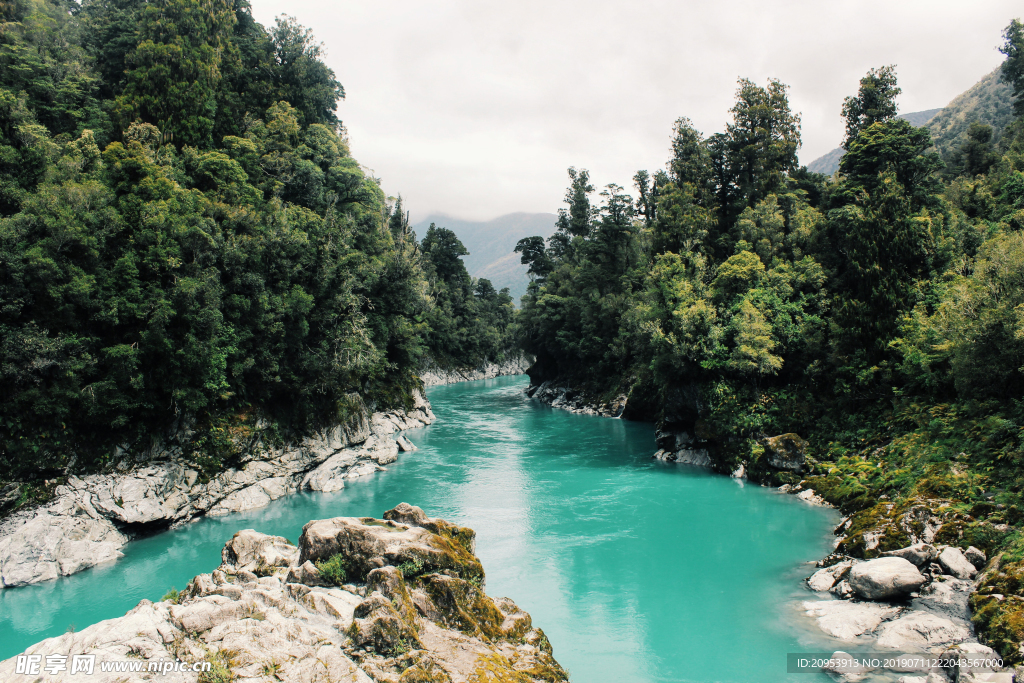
(534, 256)
(753, 344)
(174, 72)
(977, 154)
(763, 139)
(577, 220)
(1012, 70)
(875, 102)
(443, 248)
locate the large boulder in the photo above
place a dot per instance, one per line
(919, 631)
(953, 562)
(920, 554)
(825, 579)
(367, 544)
(786, 452)
(846, 620)
(252, 551)
(975, 557)
(885, 578)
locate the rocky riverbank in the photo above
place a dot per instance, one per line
(564, 397)
(902, 576)
(910, 600)
(433, 375)
(393, 600)
(92, 517)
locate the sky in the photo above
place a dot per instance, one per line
(475, 109)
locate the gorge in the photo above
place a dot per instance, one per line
(636, 569)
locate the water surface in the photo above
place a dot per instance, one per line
(637, 570)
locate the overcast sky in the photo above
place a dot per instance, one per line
(476, 108)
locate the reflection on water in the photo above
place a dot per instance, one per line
(637, 570)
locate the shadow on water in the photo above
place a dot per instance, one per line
(637, 570)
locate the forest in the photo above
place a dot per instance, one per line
(877, 313)
(187, 245)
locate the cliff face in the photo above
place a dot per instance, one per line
(434, 376)
(91, 518)
(396, 600)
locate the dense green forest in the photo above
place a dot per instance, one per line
(187, 245)
(879, 313)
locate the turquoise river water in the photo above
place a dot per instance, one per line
(638, 570)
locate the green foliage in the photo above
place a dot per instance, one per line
(172, 596)
(212, 259)
(875, 102)
(334, 569)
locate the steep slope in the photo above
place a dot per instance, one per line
(990, 101)
(491, 243)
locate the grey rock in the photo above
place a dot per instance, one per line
(250, 550)
(975, 557)
(307, 633)
(846, 620)
(885, 577)
(946, 596)
(824, 579)
(842, 590)
(918, 631)
(432, 376)
(82, 526)
(974, 656)
(954, 562)
(846, 672)
(920, 554)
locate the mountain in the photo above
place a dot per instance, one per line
(990, 101)
(829, 163)
(491, 244)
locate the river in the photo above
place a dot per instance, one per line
(637, 570)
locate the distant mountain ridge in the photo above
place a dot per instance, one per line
(491, 244)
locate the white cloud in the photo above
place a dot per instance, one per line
(476, 108)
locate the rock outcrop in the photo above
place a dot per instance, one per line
(92, 517)
(570, 399)
(260, 616)
(434, 376)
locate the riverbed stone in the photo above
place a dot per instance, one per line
(824, 579)
(919, 631)
(846, 620)
(975, 557)
(885, 578)
(953, 562)
(919, 554)
(846, 673)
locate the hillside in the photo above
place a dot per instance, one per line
(829, 163)
(491, 243)
(990, 101)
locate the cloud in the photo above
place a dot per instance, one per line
(476, 108)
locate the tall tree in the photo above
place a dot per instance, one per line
(764, 137)
(1012, 70)
(875, 102)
